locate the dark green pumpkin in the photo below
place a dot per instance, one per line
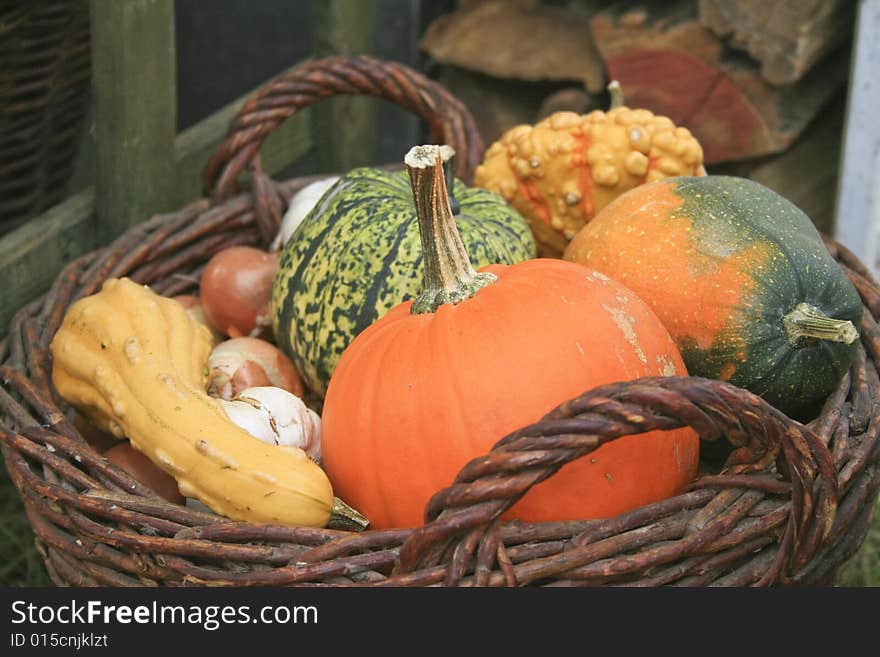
(358, 254)
(727, 264)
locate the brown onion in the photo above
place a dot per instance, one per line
(98, 439)
(235, 288)
(142, 469)
(240, 363)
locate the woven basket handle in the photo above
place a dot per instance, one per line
(448, 119)
(461, 518)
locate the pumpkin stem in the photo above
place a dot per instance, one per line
(616, 93)
(449, 275)
(342, 516)
(807, 321)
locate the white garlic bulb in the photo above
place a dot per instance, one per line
(277, 417)
(300, 205)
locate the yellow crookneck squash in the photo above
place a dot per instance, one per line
(134, 362)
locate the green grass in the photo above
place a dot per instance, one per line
(864, 568)
(21, 564)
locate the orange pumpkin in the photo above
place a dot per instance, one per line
(436, 382)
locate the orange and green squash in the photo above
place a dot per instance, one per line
(741, 279)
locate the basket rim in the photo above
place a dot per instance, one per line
(85, 498)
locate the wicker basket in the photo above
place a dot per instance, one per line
(791, 504)
(44, 89)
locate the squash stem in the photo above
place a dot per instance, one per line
(807, 321)
(449, 275)
(615, 91)
(342, 516)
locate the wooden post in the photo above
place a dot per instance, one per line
(857, 220)
(33, 254)
(135, 110)
(141, 166)
(344, 129)
(398, 129)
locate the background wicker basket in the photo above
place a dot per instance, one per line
(45, 69)
(791, 504)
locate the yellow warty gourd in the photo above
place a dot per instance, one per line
(559, 172)
(133, 362)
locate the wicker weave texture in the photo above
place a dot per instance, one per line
(790, 505)
(45, 69)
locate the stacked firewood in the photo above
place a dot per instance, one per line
(761, 85)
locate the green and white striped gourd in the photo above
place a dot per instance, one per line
(357, 254)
